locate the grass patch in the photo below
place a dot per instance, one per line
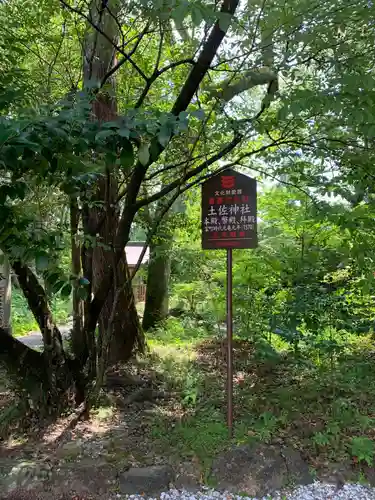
(322, 408)
(176, 332)
(23, 320)
(103, 413)
(199, 437)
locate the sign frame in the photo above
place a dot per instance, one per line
(229, 208)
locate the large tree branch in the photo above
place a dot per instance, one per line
(37, 301)
(15, 349)
(129, 212)
(197, 170)
(188, 90)
(21, 360)
(172, 166)
(204, 61)
(226, 91)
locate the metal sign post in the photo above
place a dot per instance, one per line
(229, 343)
(229, 220)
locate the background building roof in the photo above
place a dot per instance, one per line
(133, 251)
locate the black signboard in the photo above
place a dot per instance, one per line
(229, 211)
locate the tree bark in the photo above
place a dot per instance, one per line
(79, 344)
(99, 58)
(159, 267)
(54, 377)
(25, 366)
(5, 294)
(30, 372)
(38, 303)
(158, 273)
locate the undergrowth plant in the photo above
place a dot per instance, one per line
(362, 449)
(23, 320)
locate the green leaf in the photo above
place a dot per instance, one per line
(225, 20)
(82, 293)
(124, 132)
(41, 262)
(110, 157)
(57, 286)
(110, 125)
(61, 133)
(103, 134)
(154, 150)
(196, 16)
(180, 12)
(164, 136)
(198, 113)
(184, 115)
(144, 154)
(66, 290)
(127, 154)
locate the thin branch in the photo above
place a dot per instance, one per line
(114, 17)
(195, 171)
(122, 61)
(236, 140)
(188, 60)
(156, 75)
(52, 64)
(99, 30)
(173, 166)
(274, 177)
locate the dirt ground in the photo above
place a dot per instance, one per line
(166, 415)
(85, 458)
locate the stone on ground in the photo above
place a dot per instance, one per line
(25, 476)
(151, 480)
(259, 470)
(188, 477)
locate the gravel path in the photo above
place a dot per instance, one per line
(315, 491)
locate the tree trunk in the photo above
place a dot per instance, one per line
(159, 267)
(156, 307)
(37, 301)
(126, 332)
(99, 58)
(5, 294)
(25, 367)
(79, 344)
(54, 377)
(29, 371)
